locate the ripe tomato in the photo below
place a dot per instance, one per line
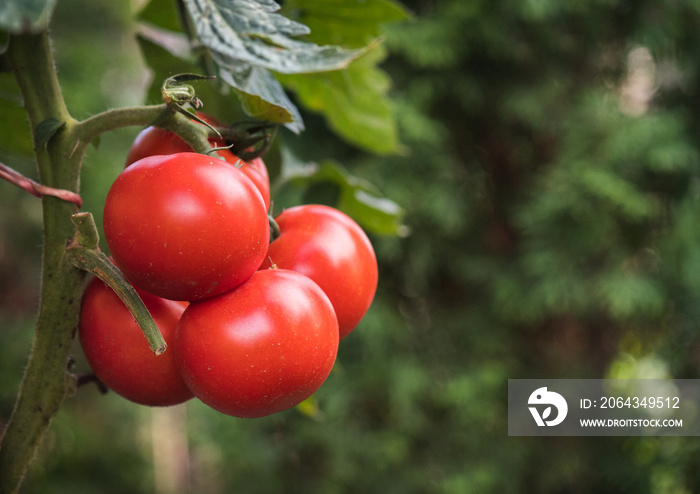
(152, 141)
(261, 348)
(255, 170)
(330, 248)
(185, 226)
(118, 353)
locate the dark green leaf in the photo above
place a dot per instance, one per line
(252, 32)
(247, 39)
(25, 16)
(261, 96)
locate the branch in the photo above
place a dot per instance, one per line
(96, 125)
(83, 252)
(196, 135)
(46, 382)
(37, 189)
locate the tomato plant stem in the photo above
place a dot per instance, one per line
(196, 135)
(46, 381)
(116, 118)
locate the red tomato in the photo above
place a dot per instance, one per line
(261, 348)
(185, 226)
(330, 248)
(255, 170)
(119, 354)
(152, 141)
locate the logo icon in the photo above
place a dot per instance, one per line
(543, 397)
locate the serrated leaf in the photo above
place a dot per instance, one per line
(251, 31)
(347, 23)
(246, 39)
(46, 130)
(353, 100)
(261, 96)
(357, 198)
(25, 16)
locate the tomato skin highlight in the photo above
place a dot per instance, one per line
(332, 249)
(261, 348)
(153, 141)
(118, 352)
(185, 226)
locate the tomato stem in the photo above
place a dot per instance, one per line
(193, 133)
(196, 135)
(116, 118)
(84, 253)
(274, 228)
(46, 382)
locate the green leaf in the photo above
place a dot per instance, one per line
(252, 32)
(354, 101)
(247, 39)
(357, 198)
(348, 23)
(262, 96)
(25, 16)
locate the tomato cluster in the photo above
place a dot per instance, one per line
(252, 323)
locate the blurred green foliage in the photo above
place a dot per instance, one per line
(550, 180)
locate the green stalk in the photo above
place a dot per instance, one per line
(46, 381)
(196, 135)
